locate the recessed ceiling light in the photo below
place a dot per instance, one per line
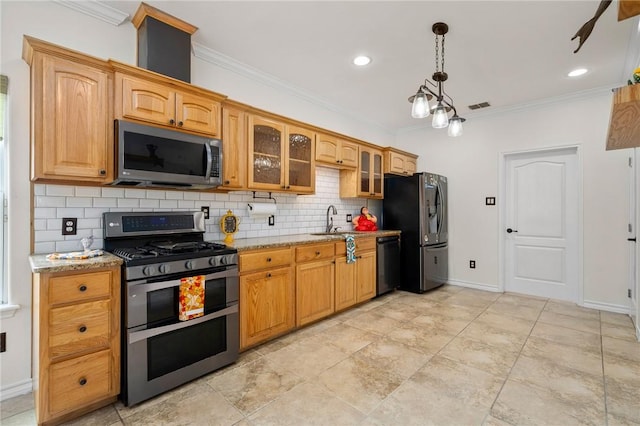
(577, 72)
(361, 60)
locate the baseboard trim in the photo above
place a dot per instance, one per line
(477, 286)
(16, 389)
(609, 307)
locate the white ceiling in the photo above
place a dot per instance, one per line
(508, 53)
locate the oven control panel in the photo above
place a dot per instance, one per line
(179, 266)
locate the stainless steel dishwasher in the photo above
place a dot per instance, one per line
(388, 272)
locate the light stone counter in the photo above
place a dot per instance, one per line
(288, 240)
(40, 263)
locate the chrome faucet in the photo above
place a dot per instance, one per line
(330, 219)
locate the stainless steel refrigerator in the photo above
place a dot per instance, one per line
(417, 206)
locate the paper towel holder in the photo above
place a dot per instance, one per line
(264, 198)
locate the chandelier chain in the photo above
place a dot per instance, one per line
(437, 54)
(442, 52)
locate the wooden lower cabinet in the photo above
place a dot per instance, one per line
(366, 276)
(345, 284)
(76, 348)
(315, 287)
(266, 305)
(355, 282)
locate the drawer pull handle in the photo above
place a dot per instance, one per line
(268, 275)
(82, 328)
(82, 381)
(83, 287)
(268, 259)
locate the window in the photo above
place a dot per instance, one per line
(4, 83)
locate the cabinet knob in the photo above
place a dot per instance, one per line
(288, 187)
(268, 259)
(226, 182)
(82, 381)
(269, 275)
(180, 123)
(83, 288)
(172, 121)
(102, 172)
(317, 253)
(82, 328)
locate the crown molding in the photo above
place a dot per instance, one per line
(632, 60)
(591, 93)
(223, 61)
(97, 10)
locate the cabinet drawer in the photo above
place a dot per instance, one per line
(253, 261)
(79, 381)
(79, 327)
(314, 252)
(74, 288)
(362, 244)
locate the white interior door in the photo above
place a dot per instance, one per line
(541, 218)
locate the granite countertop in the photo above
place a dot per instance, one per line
(288, 240)
(40, 263)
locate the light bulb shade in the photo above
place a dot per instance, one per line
(455, 126)
(440, 118)
(420, 106)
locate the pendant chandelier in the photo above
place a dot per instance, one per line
(443, 104)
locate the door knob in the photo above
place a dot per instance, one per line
(509, 230)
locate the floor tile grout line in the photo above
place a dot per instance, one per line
(604, 379)
(517, 358)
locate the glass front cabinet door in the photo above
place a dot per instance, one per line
(281, 156)
(371, 174)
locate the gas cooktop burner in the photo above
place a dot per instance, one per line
(167, 249)
(172, 247)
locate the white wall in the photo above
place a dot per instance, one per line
(471, 164)
(60, 25)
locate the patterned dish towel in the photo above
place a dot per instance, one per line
(350, 244)
(75, 255)
(191, 303)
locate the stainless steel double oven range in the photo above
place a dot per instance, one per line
(159, 249)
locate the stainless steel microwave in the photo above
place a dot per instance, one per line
(150, 156)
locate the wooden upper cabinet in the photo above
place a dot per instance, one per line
(367, 180)
(71, 115)
(280, 156)
(335, 152)
(399, 162)
(149, 97)
(234, 148)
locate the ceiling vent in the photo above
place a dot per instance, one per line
(480, 105)
(164, 43)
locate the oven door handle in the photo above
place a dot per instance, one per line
(137, 336)
(148, 287)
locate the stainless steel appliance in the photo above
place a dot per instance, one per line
(150, 156)
(160, 352)
(417, 205)
(388, 272)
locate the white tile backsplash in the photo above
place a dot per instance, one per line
(296, 214)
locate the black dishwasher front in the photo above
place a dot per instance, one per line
(388, 272)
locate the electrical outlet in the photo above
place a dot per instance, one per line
(349, 218)
(69, 226)
(205, 210)
(272, 220)
(472, 264)
(3, 342)
(629, 293)
(490, 201)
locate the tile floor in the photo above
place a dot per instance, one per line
(453, 356)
